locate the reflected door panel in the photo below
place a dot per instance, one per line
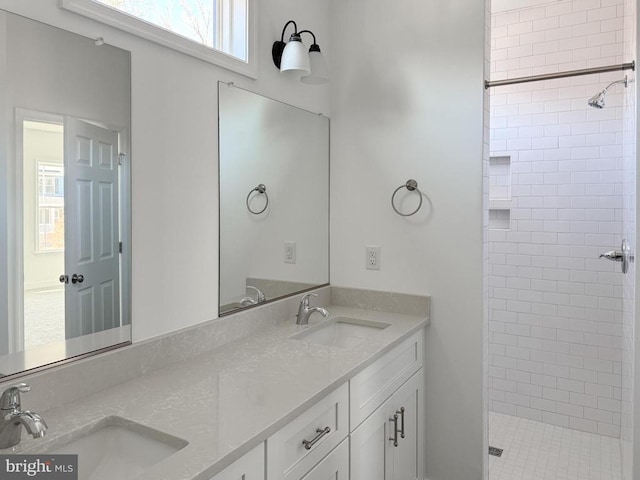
(92, 260)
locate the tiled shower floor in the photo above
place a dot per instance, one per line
(538, 451)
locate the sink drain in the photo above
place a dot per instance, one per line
(496, 452)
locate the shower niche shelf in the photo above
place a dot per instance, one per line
(500, 178)
(500, 192)
(499, 219)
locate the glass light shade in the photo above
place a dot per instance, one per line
(319, 70)
(295, 58)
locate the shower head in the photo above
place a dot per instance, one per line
(597, 101)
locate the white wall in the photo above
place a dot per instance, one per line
(556, 309)
(174, 157)
(407, 102)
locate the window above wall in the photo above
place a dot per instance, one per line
(222, 32)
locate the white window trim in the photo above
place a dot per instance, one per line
(156, 34)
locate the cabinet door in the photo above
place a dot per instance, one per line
(248, 467)
(334, 466)
(374, 455)
(407, 457)
(369, 451)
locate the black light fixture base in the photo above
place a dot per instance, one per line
(276, 52)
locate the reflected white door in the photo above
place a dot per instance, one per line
(92, 260)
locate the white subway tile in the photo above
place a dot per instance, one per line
(569, 409)
(555, 394)
(569, 361)
(502, 407)
(530, 391)
(571, 385)
(598, 365)
(598, 415)
(598, 14)
(609, 430)
(609, 404)
(572, 19)
(583, 400)
(529, 413)
(583, 425)
(544, 380)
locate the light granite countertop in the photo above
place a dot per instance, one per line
(228, 400)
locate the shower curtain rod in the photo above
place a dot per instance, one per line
(553, 76)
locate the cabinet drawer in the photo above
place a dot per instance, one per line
(334, 466)
(371, 387)
(287, 456)
(248, 467)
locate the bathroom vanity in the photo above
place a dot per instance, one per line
(282, 400)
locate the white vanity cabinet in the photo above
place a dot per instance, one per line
(387, 415)
(248, 467)
(388, 444)
(370, 428)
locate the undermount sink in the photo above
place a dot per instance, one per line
(341, 332)
(117, 448)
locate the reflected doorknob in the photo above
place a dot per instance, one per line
(76, 278)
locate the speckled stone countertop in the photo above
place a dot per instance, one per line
(228, 400)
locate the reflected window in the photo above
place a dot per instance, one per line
(50, 205)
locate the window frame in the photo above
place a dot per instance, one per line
(149, 31)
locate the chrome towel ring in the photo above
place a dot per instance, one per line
(261, 189)
(412, 186)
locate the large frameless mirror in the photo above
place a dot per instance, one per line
(274, 199)
(65, 203)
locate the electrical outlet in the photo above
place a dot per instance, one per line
(373, 258)
(289, 252)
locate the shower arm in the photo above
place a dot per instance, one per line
(624, 80)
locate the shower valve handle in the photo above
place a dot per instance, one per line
(613, 255)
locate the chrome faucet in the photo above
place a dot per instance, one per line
(248, 300)
(305, 311)
(13, 419)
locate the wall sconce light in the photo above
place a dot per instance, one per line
(292, 57)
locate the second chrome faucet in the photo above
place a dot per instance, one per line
(305, 311)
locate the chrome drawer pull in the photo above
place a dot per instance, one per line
(394, 419)
(320, 433)
(401, 412)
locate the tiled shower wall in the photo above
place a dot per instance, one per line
(555, 319)
(629, 230)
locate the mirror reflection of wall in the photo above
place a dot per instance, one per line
(285, 248)
(43, 232)
(66, 101)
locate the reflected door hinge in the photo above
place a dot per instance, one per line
(120, 247)
(121, 157)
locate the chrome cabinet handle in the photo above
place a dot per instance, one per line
(64, 278)
(394, 419)
(401, 412)
(75, 278)
(320, 433)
